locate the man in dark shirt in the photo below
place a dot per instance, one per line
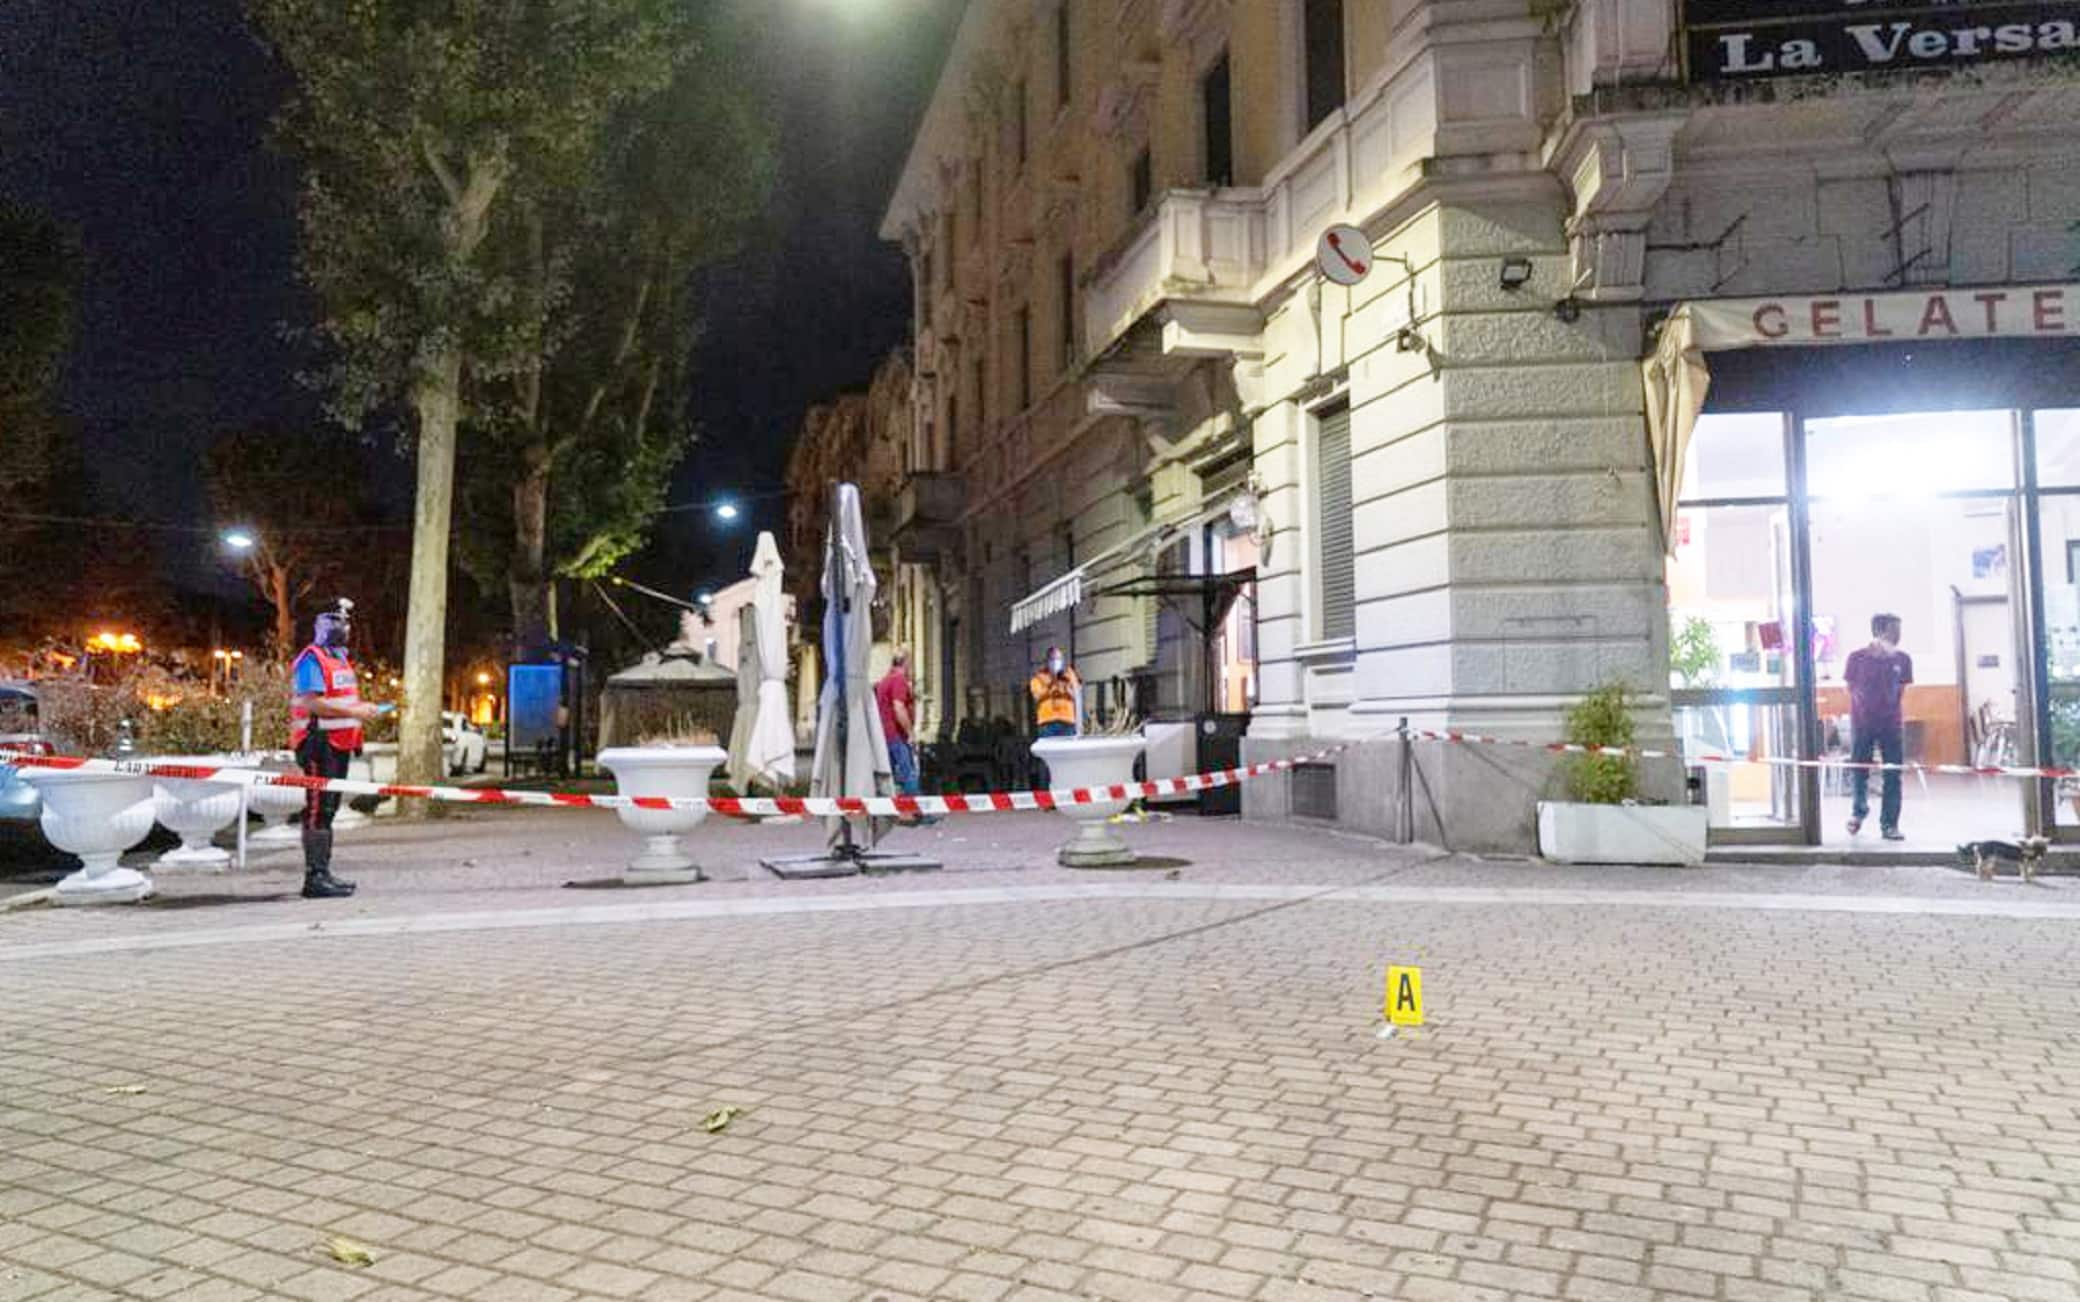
(1877, 677)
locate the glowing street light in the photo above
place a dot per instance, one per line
(727, 512)
(239, 540)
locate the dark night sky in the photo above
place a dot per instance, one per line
(141, 124)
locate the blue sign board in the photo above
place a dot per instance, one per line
(532, 694)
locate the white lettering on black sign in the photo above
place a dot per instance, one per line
(1778, 38)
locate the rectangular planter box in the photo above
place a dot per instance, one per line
(1622, 834)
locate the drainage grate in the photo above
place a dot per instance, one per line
(1314, 791)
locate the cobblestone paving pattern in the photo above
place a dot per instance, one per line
(1132, 1100)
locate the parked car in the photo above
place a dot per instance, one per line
(20, 729)
(469, 751)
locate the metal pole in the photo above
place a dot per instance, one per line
(833, 564)
(245, 792)
(1405, 822)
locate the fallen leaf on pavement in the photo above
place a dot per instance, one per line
(349, 1253)
(719, 1119)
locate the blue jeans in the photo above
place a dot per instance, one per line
(1863, 747)
(902, 762)
(1057, 730)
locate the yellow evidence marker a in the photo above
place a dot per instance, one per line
(1405, 996)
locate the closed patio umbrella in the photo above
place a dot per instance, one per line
(771, 754)
(851, 750)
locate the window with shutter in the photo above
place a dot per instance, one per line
(1333, 555)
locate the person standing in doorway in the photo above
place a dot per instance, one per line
(898, 705)
(1877, 677)
(325, 717)
(1057, 696)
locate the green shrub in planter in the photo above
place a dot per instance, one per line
(1602, 718)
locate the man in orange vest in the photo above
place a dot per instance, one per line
(325, 717)
(1057, 696)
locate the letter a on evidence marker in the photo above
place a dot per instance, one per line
(1405, 996)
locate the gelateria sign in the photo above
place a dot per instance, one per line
(1739, 39)
(2006, 312)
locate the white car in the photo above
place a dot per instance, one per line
(468, 749)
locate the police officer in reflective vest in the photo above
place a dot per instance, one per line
(325, 717)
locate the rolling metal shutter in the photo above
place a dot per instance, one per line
(1332, 477)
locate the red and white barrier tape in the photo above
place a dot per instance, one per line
(1568, 748)
(994, 802)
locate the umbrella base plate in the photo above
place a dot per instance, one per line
(808, 867)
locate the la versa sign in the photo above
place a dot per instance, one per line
(1785, 37)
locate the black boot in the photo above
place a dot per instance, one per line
(318, 881)
(322, 885)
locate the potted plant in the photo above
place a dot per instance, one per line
(674, 763)
(1693, 652)
(1605, 822)
(1104, 759)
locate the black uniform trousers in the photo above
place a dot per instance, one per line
(319, 758)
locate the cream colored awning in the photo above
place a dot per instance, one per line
(1676, 383)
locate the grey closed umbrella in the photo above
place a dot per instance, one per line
(851, 750)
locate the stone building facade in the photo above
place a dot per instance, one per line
(855, 437)
(1443, 483)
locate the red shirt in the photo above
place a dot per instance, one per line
(895, 687)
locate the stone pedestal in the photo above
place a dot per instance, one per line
(672, 773)
(1074, 762)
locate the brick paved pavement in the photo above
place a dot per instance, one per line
(1664, 1092)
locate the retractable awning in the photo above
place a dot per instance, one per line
(1067, 591)
(1062, 594)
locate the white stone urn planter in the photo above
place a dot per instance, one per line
(378, 763)
(672, 772)
(1670, 835)
(280, 808)
(195, 811)
(1091, 762)
(96, 816)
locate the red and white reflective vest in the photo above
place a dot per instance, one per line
(341, 688)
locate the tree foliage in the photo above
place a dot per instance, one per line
(579, 437)
(414, 121)
(39, 272)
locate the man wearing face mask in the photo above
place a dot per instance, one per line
(325, 717)
(1057, 696)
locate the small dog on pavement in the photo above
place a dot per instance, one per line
(2024, 853)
